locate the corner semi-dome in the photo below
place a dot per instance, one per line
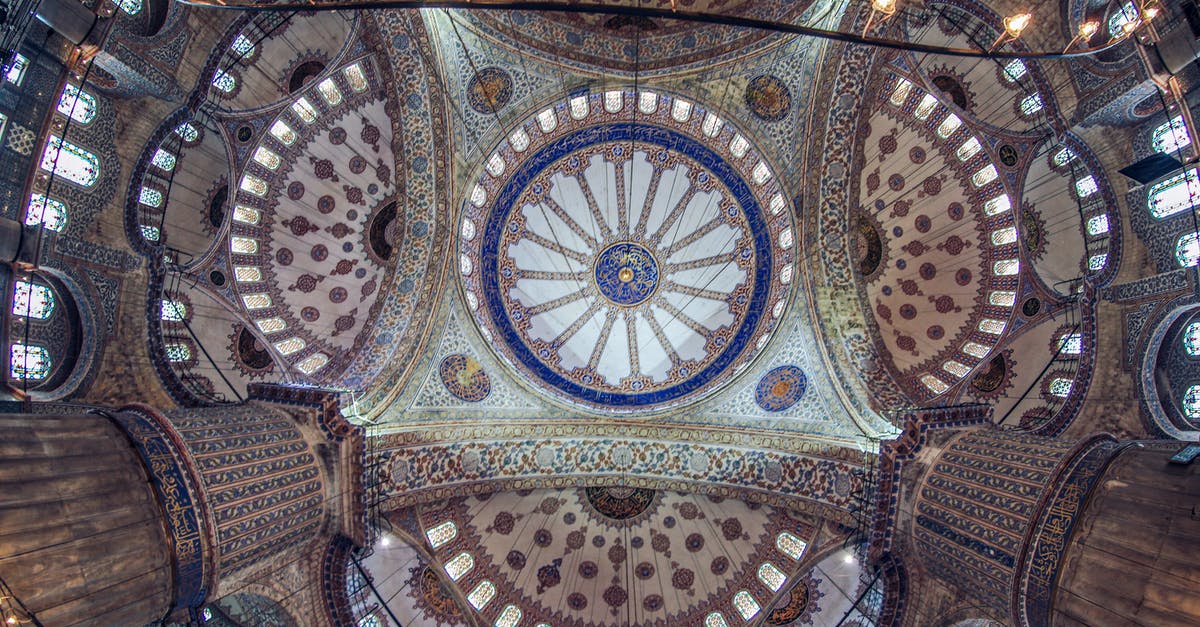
(627, 251)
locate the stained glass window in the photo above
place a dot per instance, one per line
(761, 173)
(77, 104)
(242, 45)
(1097, 262)
(478, 196)
(442, 534)
(791, 546)
(969, 149)
(284, 133)
(16, 72)
(271, 325)
(1004, 236)
(48, 212)
(312, 363)
(509, 616)
(1097, 225)
(178, 352)
(997, 205)
(355, 76)
(1086, 186)
(32, 300)
(151, 233)
(948, 126)
(647, 102)
(256, 301)
(305, 110)
(482, 594)
(246, 215)
(1060, 387)
(1174, 195)
(163, 160)
(1002, 298)
(1191, 339)
(1063, 157)
(771, 576)
(70, 162)
(29, 362)
(1171, 135)
(715, 619)
(739, 145)
(925, 107)
(578, 107)
(243, 245)
(519, 140)
(266, 158)
(1187, 249)
(956, 368)
(1031, 104)
(900, 93)
(173, 310)
(329, 91)
(132, 7)
(681, 110)
(1014, 70)
(206, 614)
(1191, 402)
(712, 125)
(150, 197)
(745, 604)
(254, 185)
(289, 346)
(224, 81)
(495, 165)
(984, 176)
(992, 326)
(1120, 19)
(187, 132)
(975, 349)
(460, 565)
(613, 101)
(370, 620)
(1006, 267)
(934, 384)
(1070, 344)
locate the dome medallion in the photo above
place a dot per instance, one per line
(627, 252)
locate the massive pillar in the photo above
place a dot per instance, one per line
(1037, 529)
(141, 513)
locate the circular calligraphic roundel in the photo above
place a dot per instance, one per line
(626, 251)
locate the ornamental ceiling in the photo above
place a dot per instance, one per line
(546, 254)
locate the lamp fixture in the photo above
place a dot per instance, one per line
(1014, 25)
(1085, 32)
(886, 8)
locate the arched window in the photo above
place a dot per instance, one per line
(1098, 261)
(242, 45)
(312, 363)
(1175, 195)
(745, 604)
(771, 576)
(132, 7)
(16, 71)
(77, 104)
(1031, 104)
(178, 352)
(482, 594)
(28, 362)
(1060, 387)
(791, 546)
(150, 197)
(173, 310)
(509, 616)
(1069, 344)
(1171, 135)
(151, 233)
(1191, 339)
(224, 81)
(330, 92)
(46, 211)
(442, 534)
(187, 132)
(31, 300)
(1014, 70)
(1086, 186)
(1127, 14)
(355, 77)
(1191, 402)
(70, 162)
(163, 160)
(715, 619)
(1187, 249)
(460, 565)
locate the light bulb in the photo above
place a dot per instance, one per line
(887, 7)
(1014, 25)
(1087, 29)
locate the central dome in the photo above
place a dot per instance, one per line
(626, 250)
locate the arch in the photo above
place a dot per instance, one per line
(1153, 390)
(72, 333)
